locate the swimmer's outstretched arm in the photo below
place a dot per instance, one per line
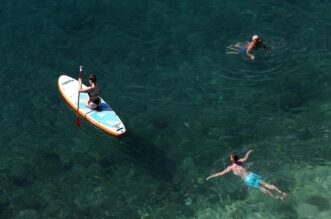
(249, 48)
(264, 46)
(246, 156)
(227, 170)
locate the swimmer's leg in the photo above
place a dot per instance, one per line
(283, 196)
(267, 192)
(272, 187)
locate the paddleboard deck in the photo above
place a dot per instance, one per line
(105, 118)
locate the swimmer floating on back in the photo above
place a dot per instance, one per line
(251, 179)
(254, 44)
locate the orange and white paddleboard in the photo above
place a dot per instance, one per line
(105, 118)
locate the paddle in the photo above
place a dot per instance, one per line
(80, 86)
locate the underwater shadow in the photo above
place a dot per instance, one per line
(148, 156)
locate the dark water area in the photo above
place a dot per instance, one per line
(171, 72)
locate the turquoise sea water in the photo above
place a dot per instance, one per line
(187, 104)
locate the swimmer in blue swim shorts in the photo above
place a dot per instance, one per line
(252, 180)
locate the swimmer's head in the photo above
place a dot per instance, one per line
(93, 78)
(255, 38)
(234, 158)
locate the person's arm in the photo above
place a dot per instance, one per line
(264, 46)
(249, 48)
(81, 89)
(85, 90)
(227, 170)
(246, 156)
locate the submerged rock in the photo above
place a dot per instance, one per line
(304, 134)
(4, 202)
(107, 162)
(291, 102)
(288, 211)
(27, 214)
(320, 202)
(20, 175)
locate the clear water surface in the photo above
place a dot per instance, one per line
(164, 67)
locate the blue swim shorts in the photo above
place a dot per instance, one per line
(243, 50)
(253, 180)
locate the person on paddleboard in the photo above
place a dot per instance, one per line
(254, 44)
(93, 101)
(252, 180)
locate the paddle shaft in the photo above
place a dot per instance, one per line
(79, 87)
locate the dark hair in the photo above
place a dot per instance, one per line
(93, 78)
(235, 158)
